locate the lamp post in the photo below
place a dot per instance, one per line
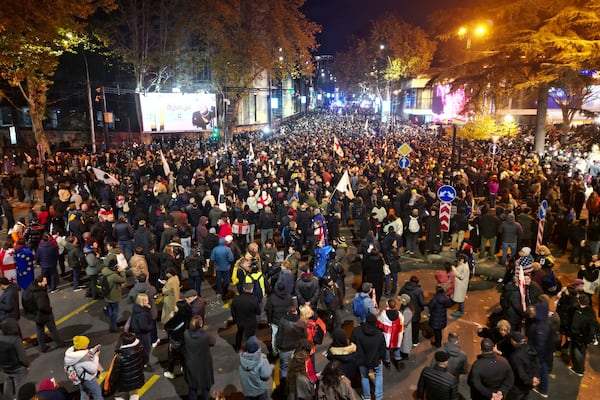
(494, 141)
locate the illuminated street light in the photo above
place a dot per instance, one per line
(478, 30)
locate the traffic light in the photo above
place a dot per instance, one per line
(215, 133)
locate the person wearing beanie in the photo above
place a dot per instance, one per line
(48, 389)
(87, 366)
(13, 360)
(435, 382)
(277, 305)
(370, 345)
(254, 370)
(491, 376)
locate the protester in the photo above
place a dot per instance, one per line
(87, 366)
(436, 382)
(199, 373)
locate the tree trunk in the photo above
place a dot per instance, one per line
(36, 99)
(540, 128)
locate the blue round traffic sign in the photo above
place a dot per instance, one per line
(543, 209)
(446, 193)
(404, 162)
(494, 148)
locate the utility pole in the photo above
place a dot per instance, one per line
(90, 105)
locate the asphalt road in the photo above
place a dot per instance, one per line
(77, 315)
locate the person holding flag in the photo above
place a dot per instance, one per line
(337, 149)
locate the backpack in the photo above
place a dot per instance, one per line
(122, 261)
(550, 284)
(319, 331)
(358, 307)
(71, 371)
(103, 286)
(257, 292)
(413, 225)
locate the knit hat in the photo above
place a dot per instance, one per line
(371, 319)
(404, 299)
(578, 282)
(190, 293)
(252, 345)
(46, 384)
(525, 251)
(27, 391)
(80, 342)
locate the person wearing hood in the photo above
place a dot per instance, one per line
(343, 352)
(307, 288)
(277, 305)
(457, 361)
(539, 334)
(87, 366)
(222, 257)
(291, 331)
(438, 314)
(391, 322)
(128, 370)
(202, 231)
(13, 360)
(417, 303)
(370, 345)
(25, 262)
(254, 371)
(331, 303)
(93, 268)
(510, 233)
(9, 300)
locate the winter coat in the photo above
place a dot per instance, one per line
(74, 256)
(291, 331)
(417, 299)
(331, 298)
(370, 345)
(93, 263)
(141, 320)
(346, 356)
(198, 359)
(9, 303)
(488, 225)
(514, 312)
(170, 297)
(438, 316)
(461, 282)
(244, 309)
(457, 363)
(278, 304)
(539, 334)
(373, 271)
(407, 339)
(254, 371)
(86, 363)
(391, 322)
(435, 383)
(525, 364)
(307, 289)
(12, 352)
(138, 265)
(41, 311)
(344, 390)
(490, 373)
(115, 280)
(509, 230)
(47, 254)
(305, 389)
(222, 256)
(147, 288)
(143, 238)
(128, 370)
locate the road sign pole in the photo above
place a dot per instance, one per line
(540, 235)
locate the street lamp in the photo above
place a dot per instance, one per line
(478, 30)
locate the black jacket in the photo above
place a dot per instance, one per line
(307, 289)
(438, 314)
(36, 304)
(12, 352)
(9, 302)
(291, 331)
(417, 299)
(435, 383)
(584, 325)
(278, 304)
(490, 373)
(141, 319)
(525, 364)
(128, 370)
(244, 309)
(370, 345)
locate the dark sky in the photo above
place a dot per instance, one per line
(341, 18)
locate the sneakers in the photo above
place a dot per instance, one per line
(77, 289)
(544, 395)
(456, 314)
(53, 291)
(575, 372)
(134, 397)
(169, 375)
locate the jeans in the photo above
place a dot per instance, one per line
(411, 241)
(250, 236)
(187, 245)
(223, 280)
(594, 246)
(543, 387)
(366, 384)
(196, 283)
(484, 240)
(578, 356)
(51, 275)
(90, 387)
(265, 234)
(76, 272)
(112, 312)
(397, 356)
(13, 381)
(126, 247)
(461, 307)
(193, 393)
(274, 329)
(284, 360)
(394, 278)
(513, 251)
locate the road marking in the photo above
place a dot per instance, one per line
(66, 317)
(148, 384)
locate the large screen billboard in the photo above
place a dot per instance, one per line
(178, 112)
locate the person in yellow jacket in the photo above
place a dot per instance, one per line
(257, 279)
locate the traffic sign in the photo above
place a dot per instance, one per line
(404, 162)
(494, 148)
(446, 194)
(543, 209)
(445, 216)
(404, 149)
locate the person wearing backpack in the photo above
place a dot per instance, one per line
(584, 330)
(114, 277)
(245, 309)
(364, 302)
(413, 231)
(86, 367)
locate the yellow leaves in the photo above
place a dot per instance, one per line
(482, 127)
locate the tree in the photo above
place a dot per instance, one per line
(246, 39)
(33, 35)
(571, 92)
(153, 37)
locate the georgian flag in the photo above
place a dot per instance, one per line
(104, 177)
(344, 186)
(337, 148)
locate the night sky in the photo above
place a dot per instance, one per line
(342, 18)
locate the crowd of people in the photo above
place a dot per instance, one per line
(163, 218)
